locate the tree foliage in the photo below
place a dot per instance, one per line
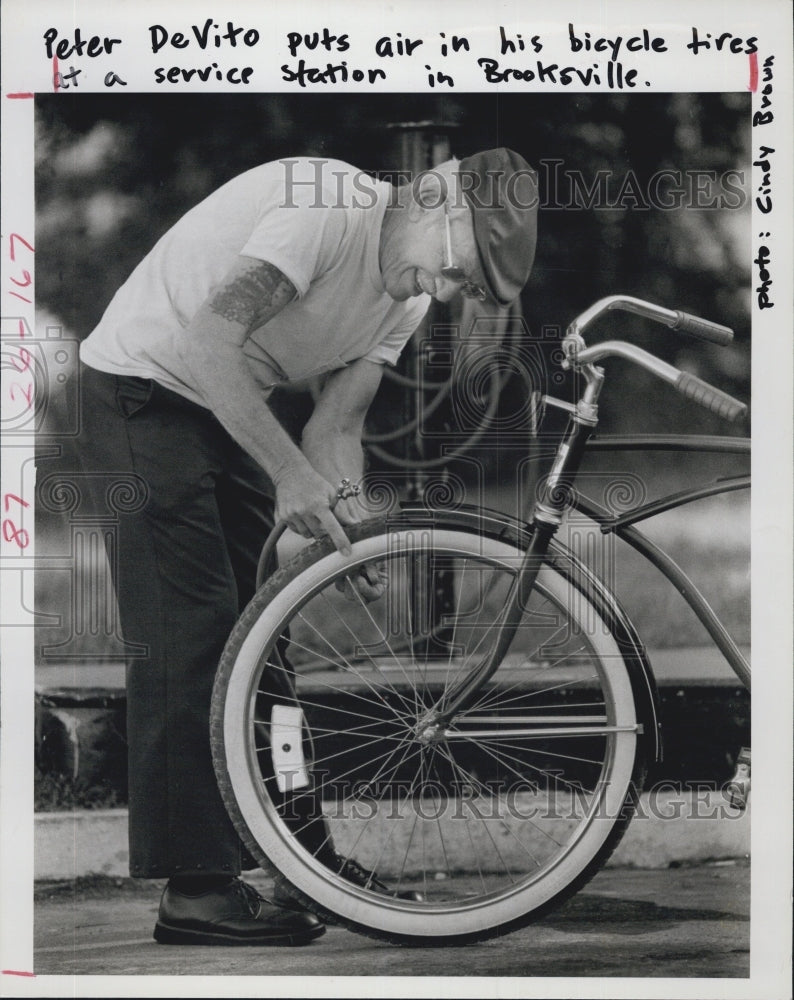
(114, 172)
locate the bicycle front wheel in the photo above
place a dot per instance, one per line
(322, 736)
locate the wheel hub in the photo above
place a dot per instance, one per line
(430, 734)
(430, 730)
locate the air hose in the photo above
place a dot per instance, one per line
(496, 383)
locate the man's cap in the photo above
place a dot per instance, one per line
(501, 190)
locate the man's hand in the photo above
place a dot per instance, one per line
(331, 442)
(304, 500)
(368, 582)
(349, 511)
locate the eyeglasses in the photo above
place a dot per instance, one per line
(468, 289)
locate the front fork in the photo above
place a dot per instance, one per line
(546, 518)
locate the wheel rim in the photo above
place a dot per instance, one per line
(490, 818)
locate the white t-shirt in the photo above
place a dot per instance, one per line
(318, 221)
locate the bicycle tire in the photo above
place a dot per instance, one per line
(469, 875)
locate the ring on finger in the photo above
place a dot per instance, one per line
(346, 489)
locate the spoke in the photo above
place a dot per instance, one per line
(409, 797)
(332, 689)
(475, 782)
(388, 754)
(502, 760)
(320, 733)
(491, 692)
(550, 638)
(314, 652)
(361, 834)
(388, 840)
(475, 853)
(312, 792)
(493, 696)
(355, 844)
(357, 640)
(348, 665)
(338, 689)
(406, 756)
(525, 819)
(534, 694)
(497, 574)
(303, 702)
(408, 845)
(575, 789)
(394, 720)
(328, 733)
(383, 637)
(550, 753)
(540, 708)
(438, 821)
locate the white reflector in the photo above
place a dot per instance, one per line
(286, 748)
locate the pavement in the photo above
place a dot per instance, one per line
(675, 923)
(672, 826)
(672, 910)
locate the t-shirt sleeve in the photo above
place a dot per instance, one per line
(388, 350)
(297, 234)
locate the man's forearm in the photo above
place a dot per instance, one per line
(335, 456)
(211, 348)
(332, 436)
(230, 390)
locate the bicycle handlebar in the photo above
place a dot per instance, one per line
(716, 400)
(675, 319)
(691, 386)
(703, 329)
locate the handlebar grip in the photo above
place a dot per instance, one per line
(703, 329)
(713, 399)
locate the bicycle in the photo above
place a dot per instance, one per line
(480, 735)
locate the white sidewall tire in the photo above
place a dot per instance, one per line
(382, 914)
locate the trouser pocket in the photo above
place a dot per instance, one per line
(132, 394)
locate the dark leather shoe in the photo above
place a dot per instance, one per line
(235, 914)
(353, 872)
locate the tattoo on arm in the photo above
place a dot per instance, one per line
(251, 296)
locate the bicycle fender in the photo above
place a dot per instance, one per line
(498, 525)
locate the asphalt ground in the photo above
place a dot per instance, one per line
(682, 922)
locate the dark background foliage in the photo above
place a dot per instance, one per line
(114, 172)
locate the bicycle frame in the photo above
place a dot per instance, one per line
(558, 492)
(622, 526)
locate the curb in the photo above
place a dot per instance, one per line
(705, 716)
(671, 828)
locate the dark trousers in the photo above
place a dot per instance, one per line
(185, 567)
